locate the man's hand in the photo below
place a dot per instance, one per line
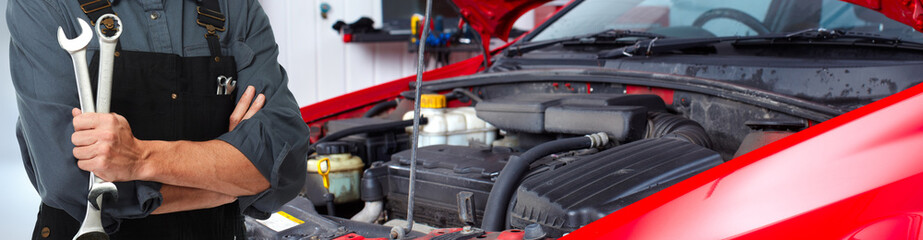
(104, 145)
(242, 111)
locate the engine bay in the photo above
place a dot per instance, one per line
(516, 158)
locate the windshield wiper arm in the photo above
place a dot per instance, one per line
(829, 34)
(604, 37)
(839, 37)
(815, 35)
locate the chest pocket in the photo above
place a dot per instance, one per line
(242, 53)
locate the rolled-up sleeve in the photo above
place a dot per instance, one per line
(46, 91)
(275, 140)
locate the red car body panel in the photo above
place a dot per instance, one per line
(909, 12)
(861, 170)
(856, 176)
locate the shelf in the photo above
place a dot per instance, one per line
(381, 36)
(454, 48)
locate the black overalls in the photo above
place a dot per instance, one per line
(166, 97)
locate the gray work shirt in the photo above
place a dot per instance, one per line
(275, 139)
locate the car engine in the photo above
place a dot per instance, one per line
(544, 162)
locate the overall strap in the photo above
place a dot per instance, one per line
(95, 9)
(210, 17)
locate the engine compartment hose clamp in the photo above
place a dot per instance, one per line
(598, 139)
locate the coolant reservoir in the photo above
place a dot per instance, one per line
(476, 130)
(345, 170)
(456, 126)
(432, 106)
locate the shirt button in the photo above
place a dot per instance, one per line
(173, 96)
(154, 16)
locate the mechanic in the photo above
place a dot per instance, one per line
(184, 165)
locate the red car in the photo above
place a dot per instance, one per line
(646, 119)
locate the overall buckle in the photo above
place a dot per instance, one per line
(97, 8)
(211, 28)
(90, 7)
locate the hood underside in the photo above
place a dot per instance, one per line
(495, 18)
(909, 12)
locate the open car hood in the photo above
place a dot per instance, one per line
(495, 18)
(908, 12)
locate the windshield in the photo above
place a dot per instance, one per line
(721, 18)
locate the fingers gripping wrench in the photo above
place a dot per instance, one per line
(91, 227)
(108, 38)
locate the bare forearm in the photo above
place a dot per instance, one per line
(212, 165)
(178, 199)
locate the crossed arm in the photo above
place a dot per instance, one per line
(195, 175)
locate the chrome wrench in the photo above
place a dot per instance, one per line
(77, 48)
(91, 228)
(107, 43)
(226, 85)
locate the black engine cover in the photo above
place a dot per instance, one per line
(573, 195)
(443, 172)
(622, 116)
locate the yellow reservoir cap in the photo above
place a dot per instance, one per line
(432, 101)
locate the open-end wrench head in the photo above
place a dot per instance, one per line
(116, 25)
(79, 43)
(102, 190)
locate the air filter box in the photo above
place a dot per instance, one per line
(623, 117)
(591, 187)
(443, 172)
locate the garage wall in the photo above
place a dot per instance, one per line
(320, 66)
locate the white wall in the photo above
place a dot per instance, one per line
(320, 66)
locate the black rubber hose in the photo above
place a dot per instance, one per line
(379, 108)
(371, 128)
(370, 188)
(331, 210)
(516, 167)
(469, 94)
(665, 125)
